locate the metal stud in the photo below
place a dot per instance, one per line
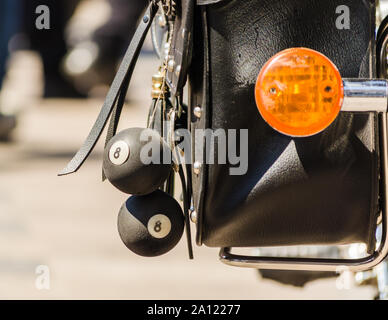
(197, 112)
(197, 166)
(171, 65)
(162, 21)
(193, 216)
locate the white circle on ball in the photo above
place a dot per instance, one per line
(119, 153)
(159, 226)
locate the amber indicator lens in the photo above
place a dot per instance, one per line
(299, 92)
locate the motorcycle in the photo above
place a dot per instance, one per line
(282, 141)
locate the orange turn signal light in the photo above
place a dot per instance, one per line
(299, 92)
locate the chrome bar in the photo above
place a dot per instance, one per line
(365, 95)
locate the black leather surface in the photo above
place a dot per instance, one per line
(181, 48)
(317, 190)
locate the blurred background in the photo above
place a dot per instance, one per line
(52, 86)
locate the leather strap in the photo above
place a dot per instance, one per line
(123, 76)
(115, 118)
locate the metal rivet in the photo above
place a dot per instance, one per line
(178, 70)
(162, 21)
(170, 65)
(197, 112)
(197, 167)
(146, 19)
(194, 216)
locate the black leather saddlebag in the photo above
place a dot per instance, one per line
(316, 190)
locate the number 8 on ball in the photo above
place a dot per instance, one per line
(119, 153)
